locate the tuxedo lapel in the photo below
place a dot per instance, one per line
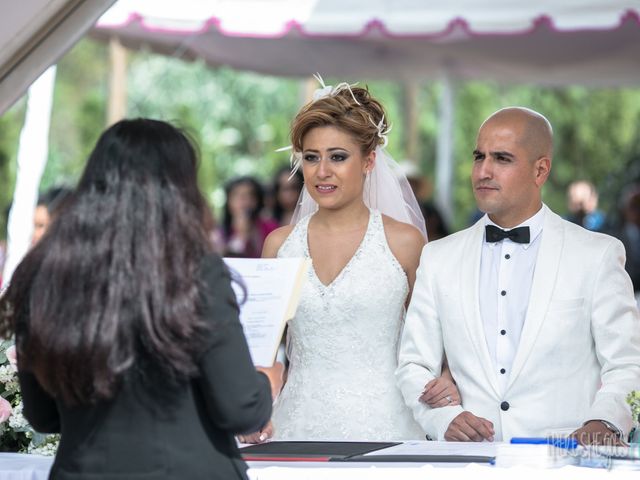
(542, 287)
(470, 283)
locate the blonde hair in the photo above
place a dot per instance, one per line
(352, 110)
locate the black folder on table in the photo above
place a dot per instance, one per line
(310, 451)
(343, 452)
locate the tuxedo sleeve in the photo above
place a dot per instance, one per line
(422, 350)
(615, 325)
(237, 397)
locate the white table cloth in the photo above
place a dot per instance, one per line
(323, 471)
(20, 466)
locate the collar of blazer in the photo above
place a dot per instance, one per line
(544, 280)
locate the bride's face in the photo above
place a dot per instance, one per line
(334, 167)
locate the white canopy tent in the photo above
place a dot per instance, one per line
(548, 42)
(34, 34)
(588, 42)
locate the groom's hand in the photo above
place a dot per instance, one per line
(466, 427)
(595, 432)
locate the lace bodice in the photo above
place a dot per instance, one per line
(343, 348)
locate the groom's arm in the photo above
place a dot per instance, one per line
(421, 352)
(615, 324)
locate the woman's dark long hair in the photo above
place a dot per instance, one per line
(113, 283)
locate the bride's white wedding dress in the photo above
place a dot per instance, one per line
(343, 348)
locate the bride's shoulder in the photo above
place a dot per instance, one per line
(405, 242)
(402, 235)
(274, 241)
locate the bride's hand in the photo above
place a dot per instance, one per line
(258, 437)
(276, 377)
(440, 392)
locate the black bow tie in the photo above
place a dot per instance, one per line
(517, 235)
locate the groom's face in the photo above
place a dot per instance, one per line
(504, 175)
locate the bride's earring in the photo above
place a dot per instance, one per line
(367, 186)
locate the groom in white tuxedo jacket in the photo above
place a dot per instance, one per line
(534, 315)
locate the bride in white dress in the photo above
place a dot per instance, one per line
(342, 343)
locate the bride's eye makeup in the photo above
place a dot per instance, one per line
(333, 156)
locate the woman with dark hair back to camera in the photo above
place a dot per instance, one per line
(361, 225)
(126, 324)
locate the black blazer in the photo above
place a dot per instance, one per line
(140, 435)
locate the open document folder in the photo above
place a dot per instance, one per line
(273, 288)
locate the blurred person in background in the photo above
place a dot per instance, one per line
(243, 228)
(49, 205)
(127, 332)
(286, 191)
(582, 203)
(423, 190)
(629, 234)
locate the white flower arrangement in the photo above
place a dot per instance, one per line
(16, 435)
(633, 399)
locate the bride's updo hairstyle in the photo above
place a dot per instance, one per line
(352, 110)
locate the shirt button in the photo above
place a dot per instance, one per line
(504, 406)
(503, 293)
(507, 256)
(503, 332)
(503, 371)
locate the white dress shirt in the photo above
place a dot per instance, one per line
(506, 274)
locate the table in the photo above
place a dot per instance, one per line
(513, 461)
(20, 466)
(361, 471)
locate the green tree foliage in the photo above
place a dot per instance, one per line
(239, 119)
(78, 113)
(9, 131)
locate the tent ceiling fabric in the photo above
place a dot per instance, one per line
(546, 42)
(34, 34)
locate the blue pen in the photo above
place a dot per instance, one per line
(569, 443)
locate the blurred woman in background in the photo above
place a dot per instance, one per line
(49, 205)
(287, 187)
(243, 227)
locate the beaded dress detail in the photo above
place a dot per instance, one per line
(343, 348)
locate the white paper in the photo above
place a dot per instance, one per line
(273, 287)
(483, 449)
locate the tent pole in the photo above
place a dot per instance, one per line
(412, 147)
(117, 108)
(309, 85)
(33, 150)
(444, 151)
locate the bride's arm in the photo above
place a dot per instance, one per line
(406, 243)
